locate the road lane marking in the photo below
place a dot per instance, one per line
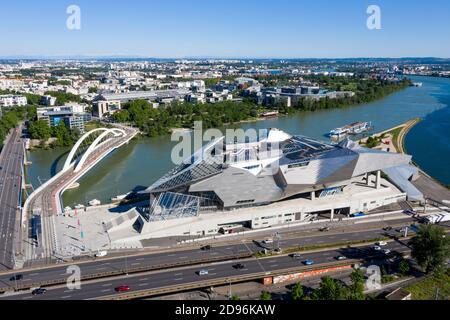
(143, 284)
(107, 285)
(66, 297)
(179, 279)
(106, 290)
(178, 274)
(143, 279)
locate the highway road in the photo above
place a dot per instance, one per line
(188, 275)
(11, 161)
(184, 256)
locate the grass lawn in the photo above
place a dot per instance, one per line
(92, 125)
(426, 289)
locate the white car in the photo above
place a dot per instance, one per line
(267, 241)
(203, 273)
(387, 251)
(377, 248)
(381, 243)
(101, 254)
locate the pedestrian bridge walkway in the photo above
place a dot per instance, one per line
(46, 201)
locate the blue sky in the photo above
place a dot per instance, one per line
(232, 28)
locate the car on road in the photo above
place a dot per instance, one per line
(17, 277)
(38, 291)
(410, 212)
(101, 254)
(267, 241)
(203, 272)
(387, 251)
(341, 258)
(381, 243)
(389, 228)
(122, 288)
(308, 262)
(377, 248)
(296, 255)
(359, 214)
(206, 248)
(239, 266)
(324, 229)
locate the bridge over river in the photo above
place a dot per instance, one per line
(45, 202)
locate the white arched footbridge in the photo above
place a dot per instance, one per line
(46, 202)
(106, 136)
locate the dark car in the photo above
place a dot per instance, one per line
(38, 291)
(324, 229)
(206, 248)
(387, 228)
(239, 266)
(17, 277)
(122, 289)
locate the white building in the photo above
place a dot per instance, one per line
(12, 100)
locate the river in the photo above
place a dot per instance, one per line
(143, 161)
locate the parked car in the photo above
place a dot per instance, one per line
(389, 228)
(206, 248)
(267, 241)
(239, 266)
(377, 248)
(340, 258)
(38, 291)
(410, 212)
(324, 229)
(122, 288)
(308, 262)
(203, 272)
(387, 251)
(17, 277)
(381, 243)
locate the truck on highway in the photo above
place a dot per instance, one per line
(437, 218)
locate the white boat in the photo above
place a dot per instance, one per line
(95, 202)
(353, 128)
(120, 197)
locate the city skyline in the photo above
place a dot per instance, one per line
(174, 29)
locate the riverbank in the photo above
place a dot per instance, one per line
(391, 140)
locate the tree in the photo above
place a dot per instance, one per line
(62, 134)
(403, 267)
(40, 130)
(265, 296)
(330, 289)
(356, 288)
(430, 248)
(235, 297)
(297, 292)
